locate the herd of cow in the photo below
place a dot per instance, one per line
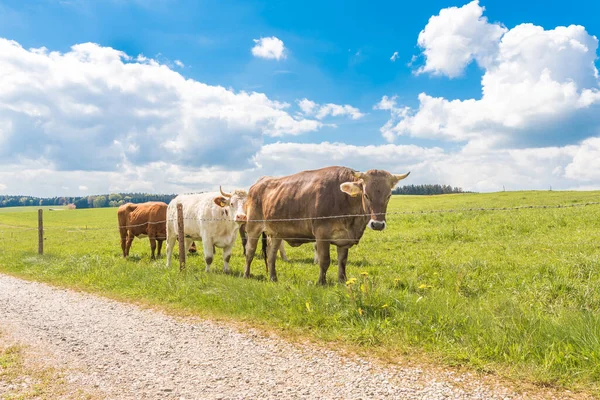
(328, 206)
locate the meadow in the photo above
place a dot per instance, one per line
(514, 293)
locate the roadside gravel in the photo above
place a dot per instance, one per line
(126, 352)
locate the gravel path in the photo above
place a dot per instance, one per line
(127, 352)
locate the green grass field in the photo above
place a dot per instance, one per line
(516, 293)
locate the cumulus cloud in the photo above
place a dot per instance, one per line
(566, 167)
(457, 36)
(540, 87)
(310, 108)
(270, 48)
(394, 56)
(96, 108)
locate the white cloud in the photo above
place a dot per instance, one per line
(567, 167)
(179, 63)
(540, 87)
(307, 106)
(83, 188)
(3, 187)
(310, 108)
(457, 36)
(269, 48)
(394, 56)
(96, 108)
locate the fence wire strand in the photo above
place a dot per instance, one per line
(84, 230)
(325, 217)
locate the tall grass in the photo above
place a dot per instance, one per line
(515, 292)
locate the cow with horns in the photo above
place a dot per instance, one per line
(329, 206)
(213, 218)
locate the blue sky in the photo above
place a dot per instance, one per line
(335, 52)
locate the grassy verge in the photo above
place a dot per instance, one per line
(515, 293)
(22, 380)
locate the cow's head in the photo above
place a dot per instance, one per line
(235, 202)
(375, 187)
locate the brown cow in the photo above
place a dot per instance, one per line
(141, 220)
(299, 207)
(145, 212)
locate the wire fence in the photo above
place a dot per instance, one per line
(314, 218)
(77, 232)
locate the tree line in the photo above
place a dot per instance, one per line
(427, 189)
(99, 201)
(116, 199)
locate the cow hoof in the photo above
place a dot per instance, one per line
(246, 275)
(226, 271)
(207, 269)
(273, 279)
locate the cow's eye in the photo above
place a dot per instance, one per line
(366, 196)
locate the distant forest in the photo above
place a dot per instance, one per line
(108, 200)
(427, 189)
(116, 199)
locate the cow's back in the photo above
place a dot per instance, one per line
(301, 198)
(148, 217)
(201, 215)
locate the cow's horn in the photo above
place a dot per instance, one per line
(358, 175)
(400, 177)
(223, 193)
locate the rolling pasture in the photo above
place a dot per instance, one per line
(514, 292)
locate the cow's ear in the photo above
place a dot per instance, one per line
(352, 188)
(221, 201)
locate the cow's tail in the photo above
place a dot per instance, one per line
(123, 217)
(264, 250)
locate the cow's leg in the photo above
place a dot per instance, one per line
(227, 256)
(171, 240)
(272, 249)
(316, 256)
(243, 237)
(123, 233)
(282, 251)
(251, 244)
(128, 244)
(160, 242)
(209, 251)
(324, 260)
(342, 260)
(152, 247)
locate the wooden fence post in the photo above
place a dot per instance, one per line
(40, 232)
(180, 237)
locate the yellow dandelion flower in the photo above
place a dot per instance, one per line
(364, 273)
(308, 307)
(385, 305)
(360, 311)
(351, 281)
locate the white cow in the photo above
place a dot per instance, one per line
(213, 218)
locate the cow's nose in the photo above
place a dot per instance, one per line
(240, 218)
(377, 225)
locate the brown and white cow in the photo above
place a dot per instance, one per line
(142, 220)
(214, 218)
(298, 208)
